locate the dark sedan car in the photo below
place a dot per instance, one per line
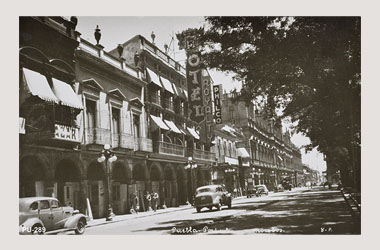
(212, 196)
(39, 215)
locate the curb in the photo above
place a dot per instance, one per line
(135, 217)
(146, 215)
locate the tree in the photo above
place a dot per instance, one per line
(308, 67)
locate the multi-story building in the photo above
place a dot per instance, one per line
(175, 140)
(75, 98)
(49, 110)
(273, 157)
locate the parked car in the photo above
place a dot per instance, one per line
(212, 196)
(279, 188)
(38, 215)
(262, 189)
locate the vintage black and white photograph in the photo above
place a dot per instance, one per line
(189, 125)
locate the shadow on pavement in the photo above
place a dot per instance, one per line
(308, 212)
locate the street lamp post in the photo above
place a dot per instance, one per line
(190, 165)
(108, 156)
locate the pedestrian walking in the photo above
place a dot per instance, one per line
(148, 199)
(155, 201)
(135, 203)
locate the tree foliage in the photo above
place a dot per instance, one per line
(307, 66)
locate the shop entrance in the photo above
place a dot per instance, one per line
(119, 189)
(96, 189)
(31, 177)
(67, 175)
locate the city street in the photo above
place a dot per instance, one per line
(300, 211)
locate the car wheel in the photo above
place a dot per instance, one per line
(81, 227)
(199, 209)
(219, 206)
(210, 208)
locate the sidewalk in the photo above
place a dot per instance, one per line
(124, 217)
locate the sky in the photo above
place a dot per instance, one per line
(117, 30)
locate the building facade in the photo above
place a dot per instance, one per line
(273, 157)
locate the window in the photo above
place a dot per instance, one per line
(64, 115)
(44, 204)
(34, 206)
(67, 192)
(55, 204)
(91, 114)
(116, 120)
(136, 125)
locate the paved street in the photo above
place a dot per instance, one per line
(301, 211)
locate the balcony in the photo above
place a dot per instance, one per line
(204, 155)
(126, 141)
(169, 105)
(170, 149)
(154, 98)
(143, 144)
(98, 136)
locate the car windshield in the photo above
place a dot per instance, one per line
(203, 190)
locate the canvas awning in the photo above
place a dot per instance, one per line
(231, 161)
(193, 133)
(38, 85)
(243, 153)
(167, 84)
(66, 95)
(177, 90)
(172, 126)
(159, 122)
(153, 77)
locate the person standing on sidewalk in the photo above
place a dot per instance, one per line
(148, 201)
(155, 201)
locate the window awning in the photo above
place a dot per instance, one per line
(159, 122)
(231, 161)
(185, 93)
(66, 94)
(193, 133)
(177, 91)
(38, 85)
(153, 77)
(167, 84)
(243, 153)
(172, 126)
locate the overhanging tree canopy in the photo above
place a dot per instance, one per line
(307, 66)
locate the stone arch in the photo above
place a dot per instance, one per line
(156, 172)
(139, 172)
(120, 172)
(169, 172)
(95, 171)
(67, 170)
(33, 173)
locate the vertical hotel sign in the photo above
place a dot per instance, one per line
(218, 111)
(194, 86)
(208, 122)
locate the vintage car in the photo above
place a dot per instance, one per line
(279, 188)
(212, 196)
(262, 189)
(40, 215)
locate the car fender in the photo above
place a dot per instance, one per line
(73, 221)
(28, 224)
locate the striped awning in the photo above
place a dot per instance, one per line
(38, 85)
(193, 133)
(172, 126)
(153, 77)
(159, 122)
(66, 94)
(167, 84)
